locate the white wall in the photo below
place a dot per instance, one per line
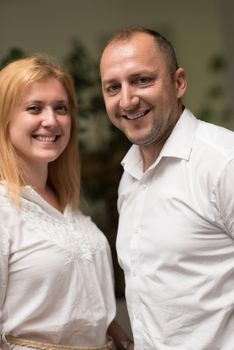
(194, 27)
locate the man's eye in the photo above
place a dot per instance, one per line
(112, 89)
(143, 80)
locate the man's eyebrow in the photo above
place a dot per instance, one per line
(109, 81)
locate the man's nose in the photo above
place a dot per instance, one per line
(128, 98)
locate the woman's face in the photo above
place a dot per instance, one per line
(40, 125)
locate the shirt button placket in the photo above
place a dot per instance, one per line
(135, 258)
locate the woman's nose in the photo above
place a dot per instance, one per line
(49, 118)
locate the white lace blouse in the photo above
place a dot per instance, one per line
(56, 281)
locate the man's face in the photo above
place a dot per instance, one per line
(142, 96)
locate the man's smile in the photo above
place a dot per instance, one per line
(136, 116)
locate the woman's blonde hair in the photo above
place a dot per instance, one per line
(64, 172)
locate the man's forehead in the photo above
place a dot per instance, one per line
(124, 54)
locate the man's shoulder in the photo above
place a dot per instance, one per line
(215, 139)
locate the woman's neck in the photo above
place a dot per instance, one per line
(37, 178)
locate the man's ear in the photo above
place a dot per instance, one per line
(180, 82)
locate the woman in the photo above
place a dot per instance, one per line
(56, 283)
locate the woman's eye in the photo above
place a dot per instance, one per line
(33, 109)
(62, 109)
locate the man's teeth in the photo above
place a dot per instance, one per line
(46, 138)
(136, 116)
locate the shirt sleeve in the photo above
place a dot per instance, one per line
(105, 275)
(4, 257)
(225, 197)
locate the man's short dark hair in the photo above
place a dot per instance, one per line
(160, 40)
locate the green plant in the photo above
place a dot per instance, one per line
(216, 107)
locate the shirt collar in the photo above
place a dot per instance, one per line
(178, 145)
(180, 142)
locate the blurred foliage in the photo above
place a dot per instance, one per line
(80, 65)
(13, 54)
(84, 71)
(216, 108)
(217, 64)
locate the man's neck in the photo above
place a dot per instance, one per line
(149, 155)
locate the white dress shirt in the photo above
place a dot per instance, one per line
(56, 281)
(175, 240)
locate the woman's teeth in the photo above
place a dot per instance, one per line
(46, 138)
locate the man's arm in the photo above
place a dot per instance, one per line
(225, 197)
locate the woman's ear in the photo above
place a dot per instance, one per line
(180, 82)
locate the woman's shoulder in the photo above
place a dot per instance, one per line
(88, 228)
(5, 202)
(86, 222)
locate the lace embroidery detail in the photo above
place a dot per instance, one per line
(76, 234)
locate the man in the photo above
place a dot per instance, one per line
(176, 201)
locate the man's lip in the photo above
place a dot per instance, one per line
(136, 116)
